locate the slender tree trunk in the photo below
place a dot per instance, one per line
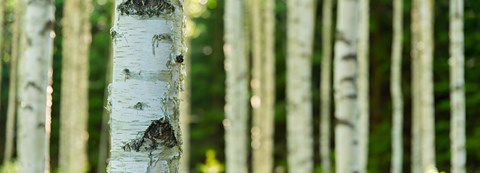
(74, 99)
(237, 88)
(326, 83)
(300, 25)
(185, 97)
(148, 55)
(263, 84)
(363, 85)
(345, 83)
(396, 88)
(457, 87)
(416, 157)
(34, 80)
(2, 11)
(425, 19)
(12, 89)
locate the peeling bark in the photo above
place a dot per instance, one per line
(144, 98)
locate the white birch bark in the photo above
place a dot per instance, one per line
(416, 157)
(345, 85)
(363, 85)
(457, 88)
(426, 82)
(12, 88)
(185, 114)
(144, 94)
(236, 108)
(74, 96)
(262, 17)
(396, 88)
(326, 86)
(300, 25)
(35, 74)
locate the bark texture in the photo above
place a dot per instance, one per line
(345, 85)
(326, 86)
(396, 88)
(422, 47)
(236, 108)
(74, 96)
(185, 95)
(457, 87)
(363, 85)
(300, 25)
(34, 88)
(144, 94)
(262, 84)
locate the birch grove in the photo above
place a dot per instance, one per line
(300, 27)
(74, 101)
(236, 108)
(34, 80)
(396, 88)
(457, 88)
(263, 84)
(345, 86)
(326, 89)
(144, 93)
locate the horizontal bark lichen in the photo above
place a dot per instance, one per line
(146, 7)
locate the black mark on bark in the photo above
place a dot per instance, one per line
(146, 7)
(159, 132)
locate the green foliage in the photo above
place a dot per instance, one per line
(211, 165)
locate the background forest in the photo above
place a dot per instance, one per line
(208, 86)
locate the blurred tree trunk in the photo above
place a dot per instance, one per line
(263, 82)
(185, 98)
(12, 89)
(144, 100)
(345, 84)
(363, 85)
(35, 74)
(416, 157)
(74, 96)
(422, 35)
(326, 83)
(457, 87)
(396, 88)
(300, 26)
(236, 107)
(2, 18)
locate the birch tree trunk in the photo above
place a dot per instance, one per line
(457, 87)
(300, 25)
(326, 82)
(12, 89)
(425, 49)
(236, 108)
(185, 95)
(35, 74)
(74, 98)
(345, 84)
(416, 157)
(396, 88)
(363, 85)
(144, 94)
(263, 86)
